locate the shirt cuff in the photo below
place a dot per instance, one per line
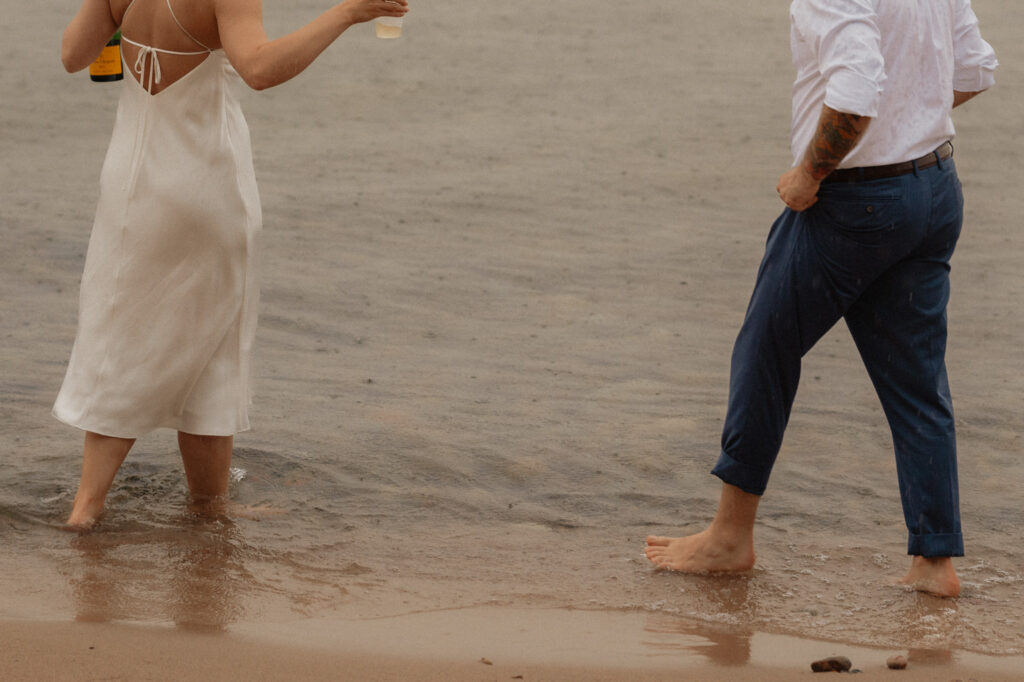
(974, 80)
(851, 93)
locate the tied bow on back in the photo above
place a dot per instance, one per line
(154, 66)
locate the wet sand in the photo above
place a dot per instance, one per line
(505, 260)
(459, 646)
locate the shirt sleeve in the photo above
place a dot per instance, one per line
(975, 60)
(845, 36)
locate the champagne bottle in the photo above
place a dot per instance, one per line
(107, 66)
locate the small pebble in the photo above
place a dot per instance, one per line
(896, 662)
(486, 662)
(839, 664)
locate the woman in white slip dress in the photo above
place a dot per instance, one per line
(168, 296)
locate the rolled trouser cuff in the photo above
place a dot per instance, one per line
(749, 479)
(936, 545)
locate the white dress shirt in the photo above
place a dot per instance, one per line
(897, 61)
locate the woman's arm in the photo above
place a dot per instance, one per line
(86, 35)
(264, 63)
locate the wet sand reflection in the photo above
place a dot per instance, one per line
(187, 574)
(932, 626)
(729, 597)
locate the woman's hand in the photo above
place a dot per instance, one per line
(368, 10)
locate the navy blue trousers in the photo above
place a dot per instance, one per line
(876, 254)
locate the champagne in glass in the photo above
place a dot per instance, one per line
(388, 27)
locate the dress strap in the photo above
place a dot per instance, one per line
(183, 29)
(163, 51)
(126, 10)
(153, 54)
(180, 26)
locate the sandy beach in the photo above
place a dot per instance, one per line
(505, 258)
(478, 645)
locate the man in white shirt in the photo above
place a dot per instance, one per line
(874, 210)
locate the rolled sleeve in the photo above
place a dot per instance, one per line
(847, 41)
(975, 60)
(855, 93)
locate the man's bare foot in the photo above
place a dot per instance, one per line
(933, 575)
(705, 552)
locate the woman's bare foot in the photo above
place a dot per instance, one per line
(933, 575)
(209, 507)
(705, 552)
(101, 458)
(83, 516)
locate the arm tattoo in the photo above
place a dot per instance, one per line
(837, 134)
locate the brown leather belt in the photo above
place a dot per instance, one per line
(863, 173)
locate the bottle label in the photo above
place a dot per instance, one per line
(108, 63)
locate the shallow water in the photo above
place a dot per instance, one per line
(489, 387)
(318, 537)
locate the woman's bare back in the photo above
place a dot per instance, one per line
(150, 22)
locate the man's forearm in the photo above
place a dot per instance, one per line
(837, 135)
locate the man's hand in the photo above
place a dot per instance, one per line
(798, 189)
(837, 134)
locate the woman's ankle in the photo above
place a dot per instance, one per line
(85, 511)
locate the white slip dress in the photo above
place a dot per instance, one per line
(168, 301)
